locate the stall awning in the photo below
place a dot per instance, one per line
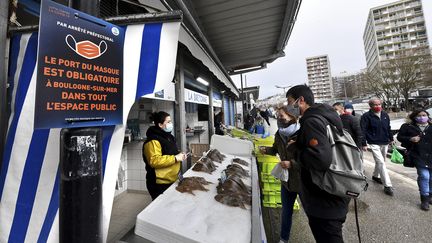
(246, 34)
(186, 39)
(29, 185)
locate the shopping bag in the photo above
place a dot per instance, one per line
(280, 173)
(396, 157)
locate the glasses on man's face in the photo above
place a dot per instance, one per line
(292, 102)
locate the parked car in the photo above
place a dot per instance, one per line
(395, 124)
(359, 112)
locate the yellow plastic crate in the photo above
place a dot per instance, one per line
(240, 133)
(268, 141)
(296, 204)
(267, 158)
(268, 167)
(270, 197)
(278, 198)
(271, 186)
(272, 205)
(267, 177)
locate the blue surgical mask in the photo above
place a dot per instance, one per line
(168, 128)
(290, 130)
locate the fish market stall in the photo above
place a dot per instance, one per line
(207, 210)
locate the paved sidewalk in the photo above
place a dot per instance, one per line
(382, 218)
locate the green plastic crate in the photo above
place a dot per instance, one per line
(268, 141)
(271, 186)
(272, 205)
(278, 198)
(240, 133)
(270, 197)
(278, 204)
(267, 158)
(267, 177)
(268, 167)
(296, 204)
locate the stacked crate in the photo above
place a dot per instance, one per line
(270, 186)
(239, 133)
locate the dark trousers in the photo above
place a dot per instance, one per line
(156, 189)
(326, 230)
(288, 200)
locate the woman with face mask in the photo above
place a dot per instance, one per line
(416, 137)
(160, 154)
(284, 146)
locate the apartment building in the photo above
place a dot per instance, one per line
(394, 29)
(319, 77)
(347, 86)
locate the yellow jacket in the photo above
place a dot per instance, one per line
(166, 167)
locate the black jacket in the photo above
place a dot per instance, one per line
(420, 153)
(264, 115)
(352, 125)
(376, 130)
(316, 154)
(287, 152)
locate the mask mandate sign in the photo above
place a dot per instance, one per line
(79, 70)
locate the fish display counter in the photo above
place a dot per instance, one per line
(217, 200)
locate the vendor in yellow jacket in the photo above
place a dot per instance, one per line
(160, 154)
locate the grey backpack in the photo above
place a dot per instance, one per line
(344, 177)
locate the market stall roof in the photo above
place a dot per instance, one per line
(235, 36)
(246, 34)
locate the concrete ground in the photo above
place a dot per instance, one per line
(382, 218)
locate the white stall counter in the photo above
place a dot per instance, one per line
(182, 217)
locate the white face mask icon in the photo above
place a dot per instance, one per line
(86, 49)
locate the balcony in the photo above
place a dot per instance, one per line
(415, 20)
(412, 5)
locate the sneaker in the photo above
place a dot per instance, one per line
(388, 190)
(377, 179)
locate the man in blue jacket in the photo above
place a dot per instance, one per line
(375, 125)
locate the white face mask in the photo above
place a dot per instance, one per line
(168, 128)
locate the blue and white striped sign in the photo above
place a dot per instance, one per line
(29, 183)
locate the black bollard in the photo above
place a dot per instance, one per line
(80, 212)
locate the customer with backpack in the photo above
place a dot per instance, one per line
(375, 125)
(416, 137)
(285, 147)
(326, 212)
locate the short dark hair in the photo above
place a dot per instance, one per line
(159, 117)
(301, 90)
(413, 114)
(337, 104)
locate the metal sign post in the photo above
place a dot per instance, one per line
(80, 213)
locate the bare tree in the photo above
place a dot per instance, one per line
(427, 80)
(399, 76)
(380, 83)
(409, 73)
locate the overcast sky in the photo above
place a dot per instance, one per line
(332, 27)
